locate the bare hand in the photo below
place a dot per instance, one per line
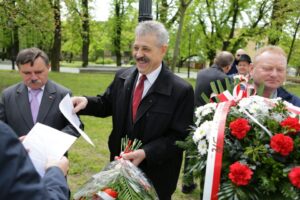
(79, 103)
(136, 157)
(63, 164)
(22, 138)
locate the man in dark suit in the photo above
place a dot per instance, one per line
(19, 179)
(222, 64)
(16, 101)
(162, 117)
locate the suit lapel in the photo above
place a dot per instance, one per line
(161, 85)
(48, 98)
(124, 98)
(23, 104)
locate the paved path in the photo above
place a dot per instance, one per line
(105, 69)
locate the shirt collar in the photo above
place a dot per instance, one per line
(151, 77)
(274, 95)
(42, 88)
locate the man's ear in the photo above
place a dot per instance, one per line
(251, 69)
(226, 69)
(164, 49)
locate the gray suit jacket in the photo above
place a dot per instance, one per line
(15, 108)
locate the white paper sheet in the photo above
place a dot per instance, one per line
(44, 142)
(66, 107)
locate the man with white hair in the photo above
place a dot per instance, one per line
(269, 68)
(147, 102)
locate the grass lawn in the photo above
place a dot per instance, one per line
(86, 160)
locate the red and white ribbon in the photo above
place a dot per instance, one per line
(215, 152)
(241, 90)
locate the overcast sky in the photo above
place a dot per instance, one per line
(101, 9)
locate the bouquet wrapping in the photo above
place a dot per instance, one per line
(120, 180)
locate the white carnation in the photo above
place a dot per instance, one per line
(202, 147)
(202, 131)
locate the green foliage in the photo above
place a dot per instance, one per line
(105, 61)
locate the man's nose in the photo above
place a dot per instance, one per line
(33, 76)
(274, 72)
(139, 53)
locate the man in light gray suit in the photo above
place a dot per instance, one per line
(36, 99)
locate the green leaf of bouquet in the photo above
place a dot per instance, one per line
(290, 192)
(204, 97)
(214, 87)
(260, 90)
(228, 85)
(220, 86)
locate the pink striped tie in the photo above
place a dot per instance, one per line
(34, 104)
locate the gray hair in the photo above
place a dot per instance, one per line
(29, 55)
(153, 27)
(223, 59)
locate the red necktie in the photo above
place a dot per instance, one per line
(137, 96)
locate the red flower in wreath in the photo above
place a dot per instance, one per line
(294, 177)
(240, 174)
(239, 128)
(292, 124)
(282, 144)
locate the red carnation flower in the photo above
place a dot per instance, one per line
(292, 124)
(282, 144)
(240, 174)
(239, 128)
(294, 177)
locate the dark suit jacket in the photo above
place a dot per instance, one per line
(204, 78)
(15, 108)
(285, 95)
(163, 117)
(18, 177)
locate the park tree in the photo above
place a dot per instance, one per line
(25, 24)
(10, 29)
(85, 33)
(121, 13)
(183, 5)
(79, 14)
(167, 12)
(280, 10)
(223, 24)
(56, 46)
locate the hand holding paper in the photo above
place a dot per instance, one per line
(46, 143)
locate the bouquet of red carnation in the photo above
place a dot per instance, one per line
(246, 149)
(120, 180)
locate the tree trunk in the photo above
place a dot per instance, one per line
(235, 9)
(85, 34)
(277, 21)
(56, 47)
(293, 41)
(183, 6)
(118, 31)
